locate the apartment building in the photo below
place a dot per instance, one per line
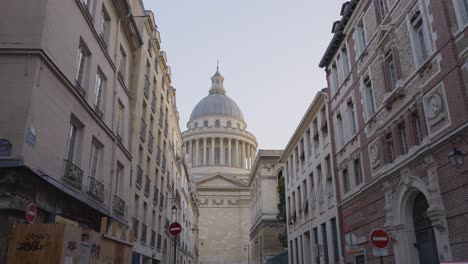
(397, 72)
(264, 198)
(311, 197)
(88, 124)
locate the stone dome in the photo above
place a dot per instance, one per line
(217, 102)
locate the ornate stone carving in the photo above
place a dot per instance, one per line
(434, 105)
(218, 202)
(233, 202)
(374, 154)
(203, 201)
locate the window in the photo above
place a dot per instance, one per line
(462, 12)
(417, 127)
(205, 123)
(420, 46)
(217, 123)
(137, 206)
(345, 62)
(403, 138)
(88, 4)
(358, 172)
(229, 124)
(382, 8)
(369, 97)
(72, 142)
(317, 248)
(150, 47)
(352, 118)
(96, 151)
(360, 36)
(340, 72)
(122, 63)
(309, 143)
(339, 121)
(345, 176)
(325, 243)
(118, 177)
(389, 147)
(217, 156)
(391, 70)
(98, 90)
(196, 125)
(104, 26)
(82, 61)
(334, 78)
(120, 120)
(336, 251)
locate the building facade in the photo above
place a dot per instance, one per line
(222, 152)
(397, 72)
(311, 195)
(82, 91)
(264, 198)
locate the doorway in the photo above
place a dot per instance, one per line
(424, 232)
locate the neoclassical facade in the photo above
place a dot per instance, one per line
(222, 152)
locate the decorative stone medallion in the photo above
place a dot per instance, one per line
(374, 154)
(434, 105)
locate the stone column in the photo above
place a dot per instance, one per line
(197, 152)
(204, 151)
(212, 158)
(229, 152)
(221, 151)
(247, 155)
(254, 154)
(189, 152)
(237, 154)
(242, 155)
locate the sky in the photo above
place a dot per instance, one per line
(268, 52)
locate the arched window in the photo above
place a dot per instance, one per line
(217, 123)
(229, 124)
(205, 123)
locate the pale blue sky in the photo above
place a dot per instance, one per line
(269, 51)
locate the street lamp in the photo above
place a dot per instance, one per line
(174, 219)
(174, 210)
(455, 156)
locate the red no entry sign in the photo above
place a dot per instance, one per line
(379, 238)
(31, 213)
(175, 229)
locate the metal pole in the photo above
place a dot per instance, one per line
(175, 245)
(381, 259)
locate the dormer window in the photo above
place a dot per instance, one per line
(217, 123)
(205, 123)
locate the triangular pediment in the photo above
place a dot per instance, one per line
(219, 181)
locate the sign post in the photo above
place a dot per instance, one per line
(380, 240)
(31, 213)
(175, 229)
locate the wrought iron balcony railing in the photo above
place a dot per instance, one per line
(73, 174)
(118, 205)
(80, 88)
(96, 188)
(98, 112)
(139, 177)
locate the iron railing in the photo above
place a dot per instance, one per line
(98, 112)
(80, 88)
(118, 205)
(96, 188)
(73, 174)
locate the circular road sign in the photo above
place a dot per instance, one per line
(175, 229)
(31, 213)
(379, 238)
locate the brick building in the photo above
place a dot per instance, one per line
(398, 73)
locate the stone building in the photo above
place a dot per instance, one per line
(397, 72)
(311, 195)
(264, 199)
(222, 152)
(82, 89)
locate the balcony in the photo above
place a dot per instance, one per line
(98, 112)
(158, 156)
(118, 205)
(155, 195)
(153, 103)
(136, 229)
(150, 142)
(164, 164)
(96, 188)
(147, 186)
(147, 86)
(153, 238)
(139, 178)
(143, 233)
(80, 88)
(73, 174)
(143, 130)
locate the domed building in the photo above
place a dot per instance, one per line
(222, 152)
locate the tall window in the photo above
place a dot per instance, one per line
(421, 47)
(352, 118)
(122, 63)
(309, 143)
(416, 127)
(137, 206)
(325, 243)
(104, 25)
(403, 138)
(462, 8)
(120, 119)
(383, 8)
(339, 121)
(217, 156)
(389, 147)
(98, 90)
(88, 4)
(357, 171)
(81, 62)
(369, 96)
(334, 76)
(390, 67)
(72, 142)
(96, 152)
(360, 36)
(345, 176)
(345, 61)
(336, 251)
(229, 124)
(118, 177)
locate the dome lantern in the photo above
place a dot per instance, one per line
(217, 86)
